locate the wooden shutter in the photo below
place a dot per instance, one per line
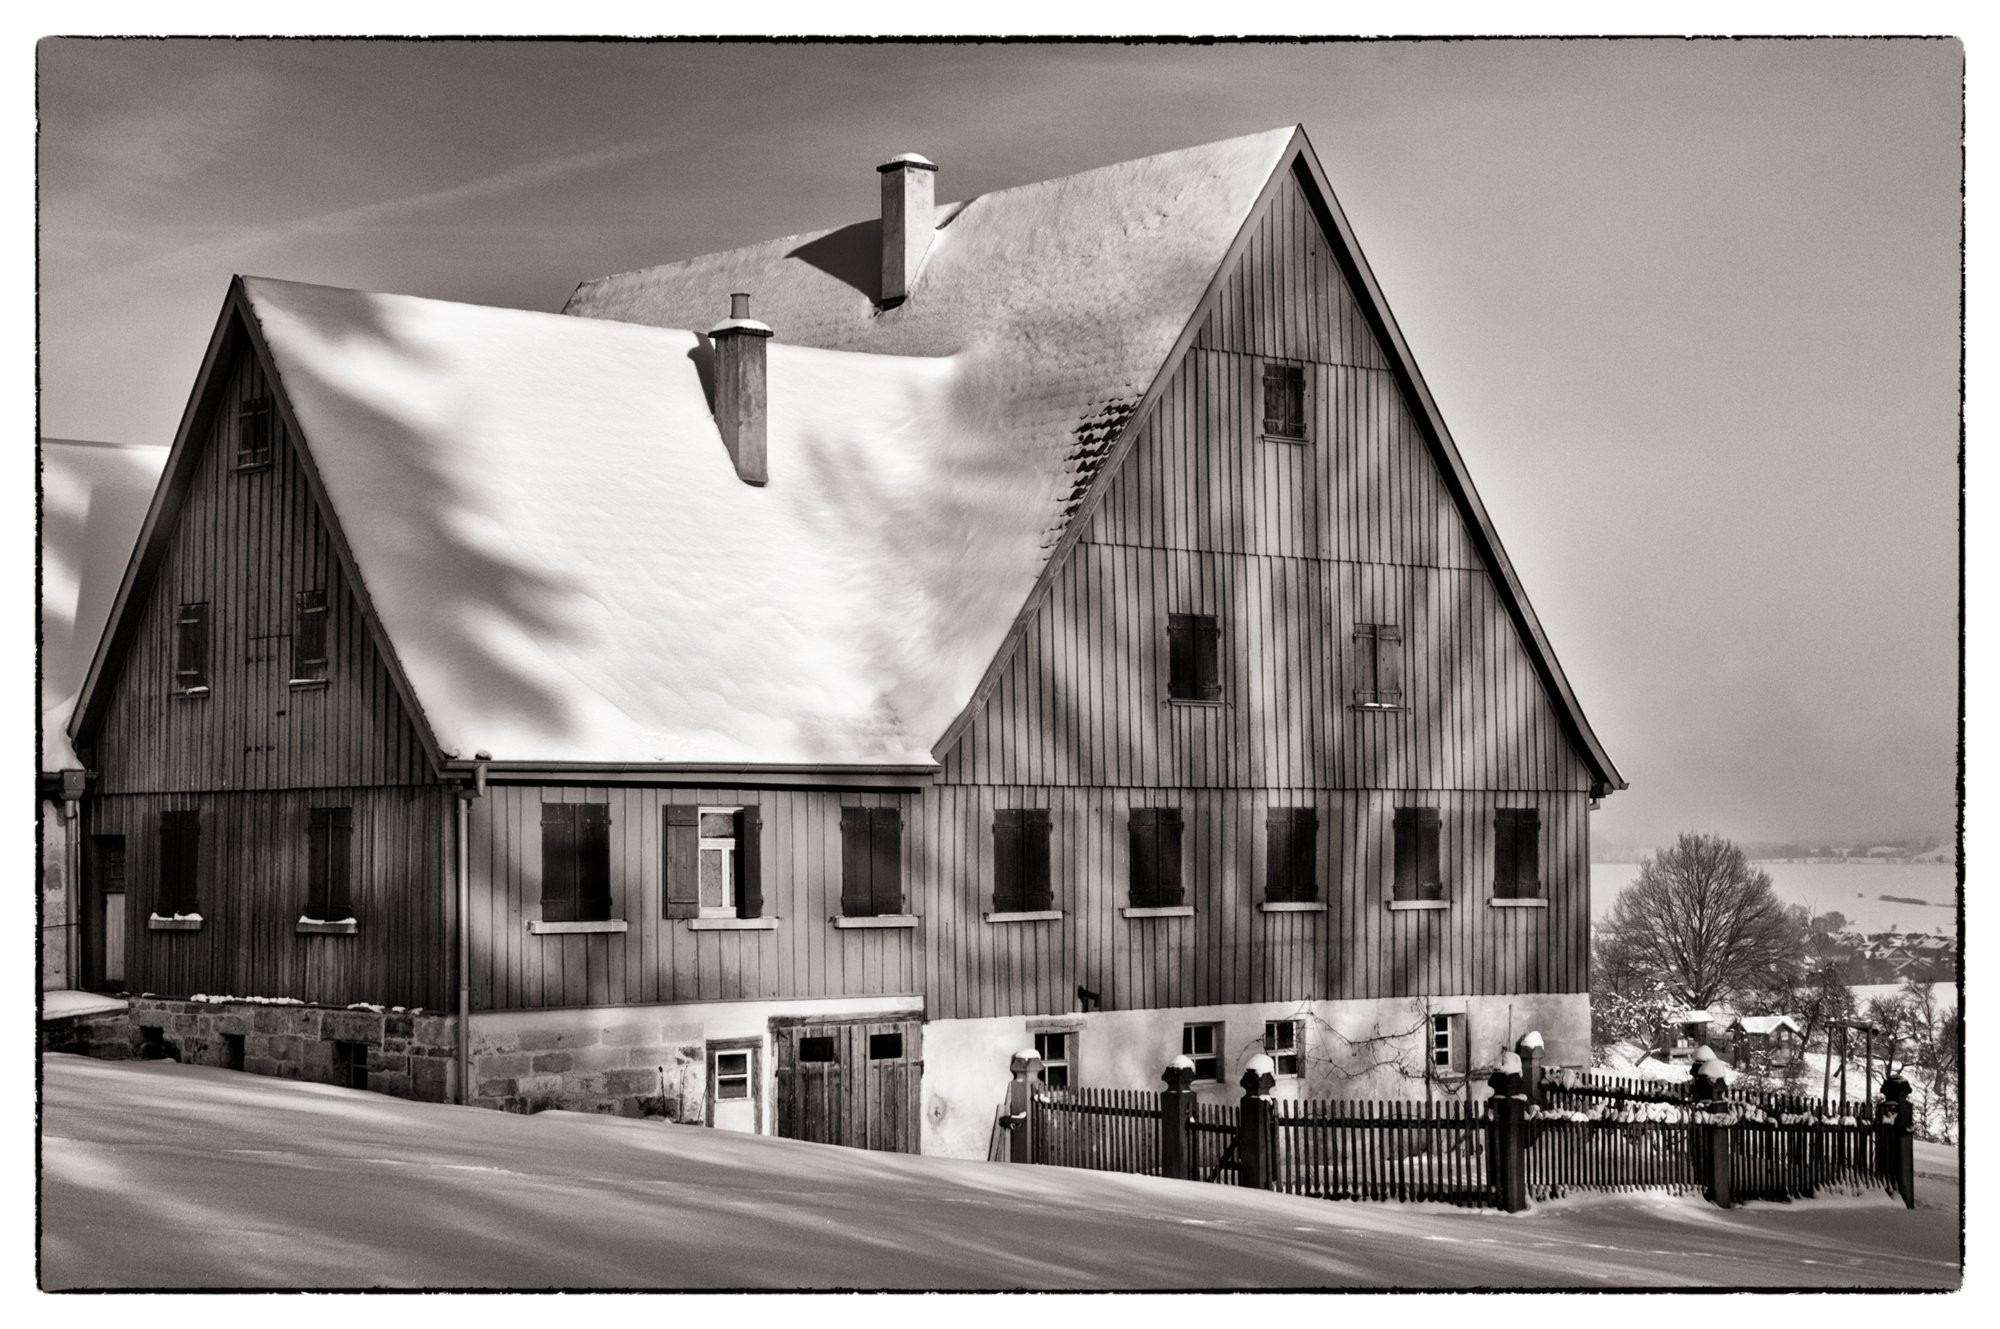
(857, 898)
(1524, 863)
(180, 849)
(329, 837)
(1207, 658)
(1037, 891)
(1406, 854)
(1361, 664)
(1009, 886)
(593, 860)
(1430, 882)
(749, 863)
(1295, 401)
(559, 867)
(191, 647)
(1278, 854)
(309, 635)
(1388, 664)
(886, 874)
(1292, 841)
(682, 896)
(1180, 656)
(253, 433)
(1145, 888)
(1167, 856)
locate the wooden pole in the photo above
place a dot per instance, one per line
(1176, 1108)
(1253, 1125)
(1019, 1105)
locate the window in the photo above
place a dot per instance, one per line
(1156, 857)
(714, 862)
(1417, 876)
(871, 862)
(576, 862)
(817, 1047)
(191, 650)
(1199, 1041)
(180, 854)
(885, 1047)
(1378, 666)
(732, 1075)
(1285, 401)
(309, 637)
(1021, 861)
(350, 1063)
(1056, 1048)
(1448, 1044)
(1292, 838)
(328, 832)
(1281, 1045)
(253, 434)
(1193, 671)
(1517, 852)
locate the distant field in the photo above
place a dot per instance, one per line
(1912, 897)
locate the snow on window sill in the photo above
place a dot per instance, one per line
(1294, 439)
(1022, 915)
(1157, 911)
(324, 927)
(305, 684)
(1420, 904)
(732, 924)
(1292, 906)
(542, 928)
(1214, 703)
(1376, 706)
(178, 923)
(1517, 902)
(876, 921)
(201, 691)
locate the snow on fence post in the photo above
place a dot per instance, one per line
(1253, 1124)
(1507, 1148)
(1895, 1138)
(1530, 1051)
(1176, 1107)
(1019, 1094)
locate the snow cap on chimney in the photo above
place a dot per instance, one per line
(908, 200)
(740, 398)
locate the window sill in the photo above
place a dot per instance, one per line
(876, 921)
(1023, 916)
(250, 467)
(1518, 902)
(1420, 904)
(305, 684)
(1295, 440)
(201, 692)
(313, 927)
(1157, 911)
(732, 924)
(541, 928)
(1215, 703)
(1292, 906)
(157, 924)
(1376, 706)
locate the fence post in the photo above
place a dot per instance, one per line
(1253, 1124)
(1176, 1107)
(1895, 1137)
(1530, 1051)
(1507, 1161)
(1019, 1105)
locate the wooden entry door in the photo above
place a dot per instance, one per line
(736, 1085)
(855, 1081)
(104, 913)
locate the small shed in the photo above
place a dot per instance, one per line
(1682, 1032)
(1778, 1036)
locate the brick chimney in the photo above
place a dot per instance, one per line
(908, 198)
(740, 406)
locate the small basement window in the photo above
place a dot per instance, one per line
(885, 1047)
(350, 1064)
(732, 1075)
(232, 1052)
(1448, 1044)
(816, 1047)
(1056, 1048)
(1200, 1041)
(1281, 1045)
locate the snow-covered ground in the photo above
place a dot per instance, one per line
(160, 1175)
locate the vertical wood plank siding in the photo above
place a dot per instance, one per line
(245, 544)
(252, 888)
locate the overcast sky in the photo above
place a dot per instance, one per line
(1690, 309)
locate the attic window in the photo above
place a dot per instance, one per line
(1285, 402)
(309, 639)
(1193, 668)
(253, 434)
(191, 650)
(1377, 665)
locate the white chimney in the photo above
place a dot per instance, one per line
(908, 198)
(740, 407)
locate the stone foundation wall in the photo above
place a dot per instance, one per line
(106, 1035)
(628, 1063)
(410, 1054)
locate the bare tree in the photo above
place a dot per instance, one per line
(1701, 920)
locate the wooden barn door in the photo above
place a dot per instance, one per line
(104, 920)
(852, 1081)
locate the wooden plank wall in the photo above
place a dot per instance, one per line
(1289, 545)
(244, 544)
(252, 889)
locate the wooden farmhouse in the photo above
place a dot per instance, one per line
(786, 683)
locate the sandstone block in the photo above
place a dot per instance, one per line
(552, 1063)
(511, 1063)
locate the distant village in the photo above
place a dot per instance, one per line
(1885, 957)
(1922, 849)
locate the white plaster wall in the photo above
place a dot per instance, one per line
(966, 1075)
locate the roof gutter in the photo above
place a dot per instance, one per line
(892, 776)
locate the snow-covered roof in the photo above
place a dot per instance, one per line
(568, 569)
(94, 498)
(1767, 1024)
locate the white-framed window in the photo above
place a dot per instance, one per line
(732, 1075)
(1199, 1042)
(1281, 1045)
(718, 861)
(1448, 1044)
(1057, 1049)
